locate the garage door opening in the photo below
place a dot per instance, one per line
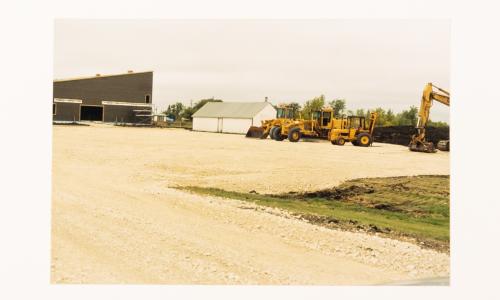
(91, 113)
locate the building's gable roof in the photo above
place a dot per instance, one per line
(100, 76)
(230, 109)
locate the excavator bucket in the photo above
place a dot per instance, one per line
(257, 132)
(427, 147)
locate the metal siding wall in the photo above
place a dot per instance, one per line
(126, 88)
(67, 112)
(113, 113)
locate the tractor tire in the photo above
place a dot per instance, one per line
(294, 135)
(340, 141)
(277, 134)
(273, 131)
(364, 139)
(278, 137)
(334, 142)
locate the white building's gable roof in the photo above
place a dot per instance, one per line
(230, 109)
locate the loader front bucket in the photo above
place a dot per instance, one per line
(256, 133)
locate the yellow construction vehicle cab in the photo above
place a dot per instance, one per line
(284, 115)
(319, 126)
(355, 130)
(418, 142)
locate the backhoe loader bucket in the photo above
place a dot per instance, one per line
(256, 133)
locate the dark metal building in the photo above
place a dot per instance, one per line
(124, 98)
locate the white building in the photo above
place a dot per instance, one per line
(232, 117)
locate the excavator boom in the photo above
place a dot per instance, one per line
(418, 142)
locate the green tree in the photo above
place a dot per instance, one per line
(360, 112)
(313, 105)
(338, 106)
(296, 108)
(188, 112)
(407, 117)
(390, 118)
(199, 104)
(437, 124)
(381, 117)
(175, 110)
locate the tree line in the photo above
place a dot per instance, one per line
(177, 110)
(384, 118)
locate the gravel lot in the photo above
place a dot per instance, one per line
(115, 218)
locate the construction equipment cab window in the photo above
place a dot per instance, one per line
(326, 118)
(356, 122)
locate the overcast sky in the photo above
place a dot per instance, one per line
(370, 63)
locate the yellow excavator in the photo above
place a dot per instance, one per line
(418, 142)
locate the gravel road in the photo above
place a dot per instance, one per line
(115, 218)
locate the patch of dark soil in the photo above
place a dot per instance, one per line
(351, 225)
(320, 219)
(374, 228)
(387, 206)
(336, 193)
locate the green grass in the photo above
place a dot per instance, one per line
(410, 208)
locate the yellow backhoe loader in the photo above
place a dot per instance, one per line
(284, 115)
(355, 130)
(418, 142)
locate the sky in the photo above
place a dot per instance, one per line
(369, 63)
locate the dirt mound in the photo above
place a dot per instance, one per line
(401, 135)
(336, 193)
(347, 193)
(386, 206)
(350, 225)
